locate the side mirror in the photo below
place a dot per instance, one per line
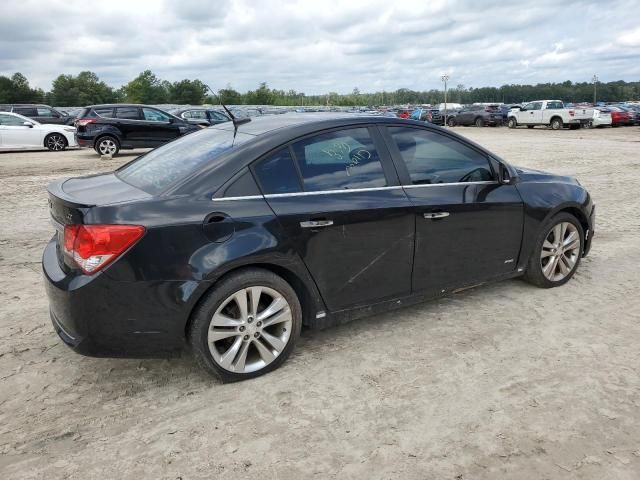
(504, 175)
(27, 124)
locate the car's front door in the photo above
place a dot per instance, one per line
(531, 114)
(15, 134)
(338, 199)
(159, 127)
(468, 225)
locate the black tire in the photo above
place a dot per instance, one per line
(55, 142)
(479, 122)
(107, 145)
(197, 335)
(589, 124)
(512, 123)
(530, 126)
(556, 123)
(451, 122)
(534, 273)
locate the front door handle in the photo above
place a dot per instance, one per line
(436, 215)
(316, 223)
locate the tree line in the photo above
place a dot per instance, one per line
(86, 89)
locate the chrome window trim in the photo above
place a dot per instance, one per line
(353, 190)
(483, 182)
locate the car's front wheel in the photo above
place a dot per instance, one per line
(247, 326)
(107, 145)
(479, 122)
(512, 123)
(55, 142)
(557, 252)
(451, 122)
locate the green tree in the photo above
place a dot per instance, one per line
(146, 88)
(190, 92)
(17, 90)
(228, 96)
(85, 89)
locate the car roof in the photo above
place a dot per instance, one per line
(310, 121)
(112, 105)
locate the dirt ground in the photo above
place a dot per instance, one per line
(503, 381)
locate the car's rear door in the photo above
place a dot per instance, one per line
(338, 199)
(129, 121)
(468, 225)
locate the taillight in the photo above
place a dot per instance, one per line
(84, 122)
(93, 247)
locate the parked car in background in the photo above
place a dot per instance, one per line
(601, 118)
(229, 240)
(201, 116)
(549, 113)
(403, 113)
(634, 113)
(43, 114)
(431, 115)
(18, 132)
(478, 115)
(109, 128)
(620, 116)
(505, 108)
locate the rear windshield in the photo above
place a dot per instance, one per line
(175, 161)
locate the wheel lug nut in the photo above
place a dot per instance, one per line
(250, 319)
(256, 334)
(259, 324)
(246, 337)
(242, 329)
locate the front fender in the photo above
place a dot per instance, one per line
(543, 200)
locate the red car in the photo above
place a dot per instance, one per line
(403, 114)
(620, 117)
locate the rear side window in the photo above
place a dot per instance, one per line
(344, 159)
(195, 114)
(128, 113)
(554, 105)
(432, 158)
(104, 112)
(277, 173)
(45, 112)
(26, 111)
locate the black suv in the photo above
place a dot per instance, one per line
(108, 128)
(41, 113)
(201, 115)
(478, 115)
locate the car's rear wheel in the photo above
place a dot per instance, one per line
(55, 142)
(512, 123)
(107, 145)
(556, 123)
(557, 252)
(479, 122)
(451, 122)
(589, 124)
(247, 326)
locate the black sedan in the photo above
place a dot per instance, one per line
(232, 238)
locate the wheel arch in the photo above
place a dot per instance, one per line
(64, 137)
(556, 117)
(308, 295)
(574, 210)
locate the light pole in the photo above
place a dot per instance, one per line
(445, 79)
(595, 82)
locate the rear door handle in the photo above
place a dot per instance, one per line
(436, 215)
(316, 223)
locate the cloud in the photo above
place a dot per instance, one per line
(317, 47)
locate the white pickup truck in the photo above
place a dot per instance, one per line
(549, 112)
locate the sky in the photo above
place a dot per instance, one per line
(317, 46)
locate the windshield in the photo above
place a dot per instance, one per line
(155, 171)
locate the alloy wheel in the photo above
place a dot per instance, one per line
(250, 329)
(107, 147)
(560, 251)
(55, 142)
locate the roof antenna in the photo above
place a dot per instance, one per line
(236, 121)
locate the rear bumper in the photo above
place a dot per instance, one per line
(101, 317)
